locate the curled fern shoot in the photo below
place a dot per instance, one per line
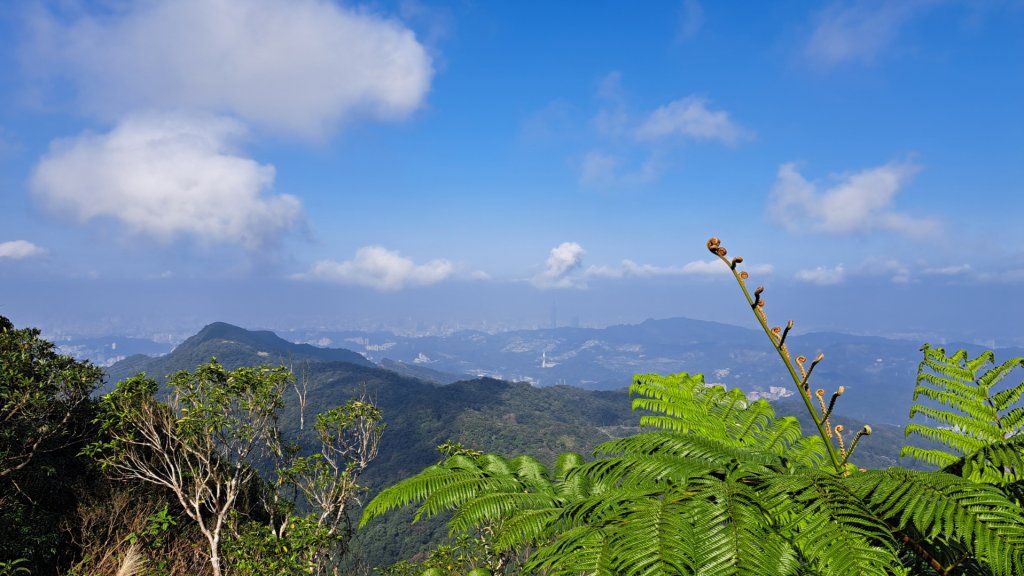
(800, 374)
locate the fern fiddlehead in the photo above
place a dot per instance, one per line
(801, 375)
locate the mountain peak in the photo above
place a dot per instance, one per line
(222, 331)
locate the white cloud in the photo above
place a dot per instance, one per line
(859, 30)
(19, 250)
(165, 176)
(298, 67)
(630, 268)
(856, 202)
(603, 271)
(636, 146)
(380, 268)
(949, 270)
(823, 276)
(690, 117)
(705, 267)
(898, 272)
(563, 260)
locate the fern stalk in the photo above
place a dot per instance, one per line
(800, 381)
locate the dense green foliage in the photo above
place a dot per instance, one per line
(204, 444)
(715, 484)
(972, 412)
(45, 415)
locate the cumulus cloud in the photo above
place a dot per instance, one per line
(19, 250)
(165, 176)
(691, 118)
(857, 202)
(562, 261)
(380, 268)
(637, 147)
(297, 67)
(859, 30)
(823, 276)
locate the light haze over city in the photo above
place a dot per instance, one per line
(425, 166)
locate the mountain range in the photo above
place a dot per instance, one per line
(424, 406)
(878, 373)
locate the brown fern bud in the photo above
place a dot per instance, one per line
(865, 431)
(776, 331)
(803, 371)
(813, 364)
(735, 261)
(839, 428)
(820, 392)
(757, 297)
(789, 326)
(832, 401)
(713, 244)
(744, 275)
(721, 251)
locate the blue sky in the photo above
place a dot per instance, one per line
(287, 162)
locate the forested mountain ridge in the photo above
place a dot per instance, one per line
(878, 373)
(420, 414)
(483, 414)
(233, 346)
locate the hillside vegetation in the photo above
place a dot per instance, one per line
(242, 453)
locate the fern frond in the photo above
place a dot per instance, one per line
(496, 506)
(999, 463)
(581, 550)
(687, 446)
(994, 376)
(981, 424)
(932, 456)
(526, 527)
(644, 539)
(443, 487)
(461, 490)
(830, 525)
(961, 409)
(944, 506)
(953, 438)
(732, 532)
(566, 462)
(531, 472)
(644, 469)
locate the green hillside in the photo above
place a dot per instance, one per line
(483, 414)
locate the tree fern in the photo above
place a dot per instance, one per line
(970, 414)
(716, 484)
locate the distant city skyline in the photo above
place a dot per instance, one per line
(411, 165)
